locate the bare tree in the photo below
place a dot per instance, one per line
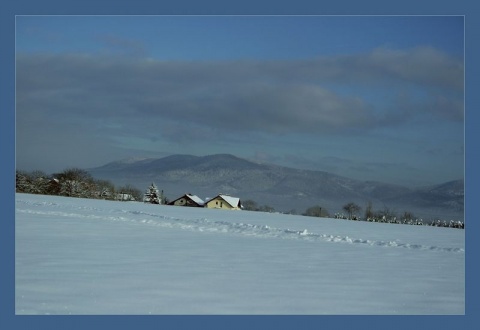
(369, 214)
(132, 191)
(250, 205)
(352, 209)
(316, 211)
(75, 182)
(104, 189)
(387, 215)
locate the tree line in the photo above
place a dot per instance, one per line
(73, 182)
(352, 211)
(387, 215)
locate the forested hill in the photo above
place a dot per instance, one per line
(281, 187)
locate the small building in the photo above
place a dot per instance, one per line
(124, 197)
(188, 200)
(225, 202)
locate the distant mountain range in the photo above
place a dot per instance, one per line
(283, 188)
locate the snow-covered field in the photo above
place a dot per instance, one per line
(80, 256)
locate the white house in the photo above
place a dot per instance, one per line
(225, 202)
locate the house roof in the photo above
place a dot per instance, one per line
(233, 201)
(194, 198)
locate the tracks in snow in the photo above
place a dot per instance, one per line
(207, 225)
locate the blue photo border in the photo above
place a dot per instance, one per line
(10, 8)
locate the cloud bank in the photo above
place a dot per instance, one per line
(269, 96)
(125, 101)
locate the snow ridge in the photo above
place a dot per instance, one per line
(223, 227)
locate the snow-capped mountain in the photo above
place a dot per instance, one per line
(281, 187)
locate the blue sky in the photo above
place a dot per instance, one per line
(368, 97)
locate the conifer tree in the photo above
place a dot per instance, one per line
(152, 195)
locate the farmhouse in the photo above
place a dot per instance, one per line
(188, 200)
(226, 202)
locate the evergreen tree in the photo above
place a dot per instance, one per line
(40, 182)
(23, 182)
(152, 195)
(36, 182)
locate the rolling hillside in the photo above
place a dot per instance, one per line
(283, 188)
